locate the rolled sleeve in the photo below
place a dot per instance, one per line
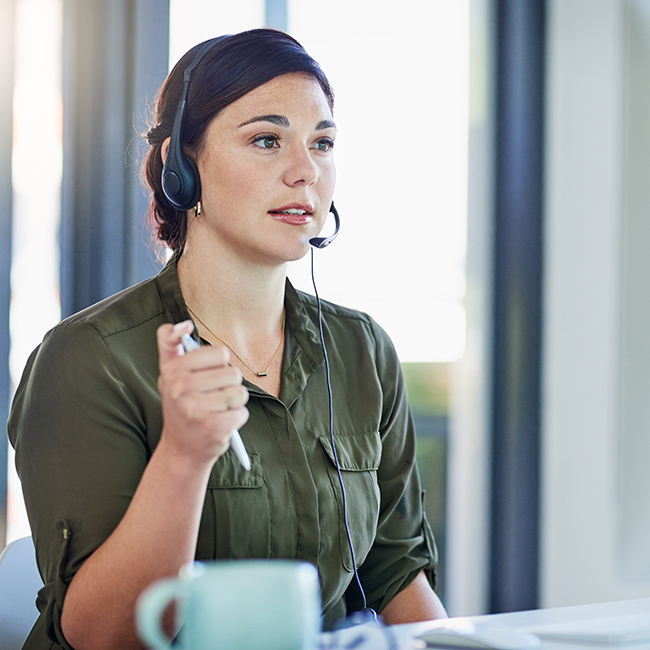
(80, 454)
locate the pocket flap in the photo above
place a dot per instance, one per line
(358, 452)
(228, 473)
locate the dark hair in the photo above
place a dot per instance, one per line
(233, 67)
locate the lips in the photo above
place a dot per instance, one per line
(295, 214)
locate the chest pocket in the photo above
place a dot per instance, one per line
(236, 519)
(359, 456)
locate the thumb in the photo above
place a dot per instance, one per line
(169, 339)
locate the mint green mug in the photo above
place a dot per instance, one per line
(235, 605)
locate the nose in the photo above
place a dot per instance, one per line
(301, 168)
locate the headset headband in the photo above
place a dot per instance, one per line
(180, 180)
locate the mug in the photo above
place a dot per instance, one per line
(235, 605)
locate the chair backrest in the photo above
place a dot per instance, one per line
(19, 585)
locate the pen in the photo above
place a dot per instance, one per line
(236, 442)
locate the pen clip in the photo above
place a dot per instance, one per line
(189, 343)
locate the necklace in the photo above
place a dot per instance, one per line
(263, 373)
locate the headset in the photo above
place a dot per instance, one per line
(181, 182)
(181, 185)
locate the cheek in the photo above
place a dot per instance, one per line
(232, 180)
(328, 178)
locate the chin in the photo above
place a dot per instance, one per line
(294, 249)
(298, 255)
(281, 256)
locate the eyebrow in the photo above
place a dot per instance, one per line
(281, 120)
(325, 124)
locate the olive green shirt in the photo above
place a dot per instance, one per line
(87, 416)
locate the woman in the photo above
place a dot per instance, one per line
(122, 441)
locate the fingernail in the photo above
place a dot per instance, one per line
(182, 326)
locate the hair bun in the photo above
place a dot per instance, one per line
(156, 134)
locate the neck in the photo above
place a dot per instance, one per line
(235, 300)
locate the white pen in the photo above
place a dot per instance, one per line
(236, 442)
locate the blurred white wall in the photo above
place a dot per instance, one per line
(596, 491)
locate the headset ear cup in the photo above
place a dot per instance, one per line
(181, 182)
(180, 179)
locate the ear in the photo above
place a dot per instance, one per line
(164, 149)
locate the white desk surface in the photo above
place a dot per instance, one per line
(566, 614)
(405, 635)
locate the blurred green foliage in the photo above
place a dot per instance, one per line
(428, 389)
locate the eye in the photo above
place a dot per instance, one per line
(324, 144)
(266, 141)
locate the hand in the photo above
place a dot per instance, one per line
(203, 398)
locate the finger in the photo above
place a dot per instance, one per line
(202, 415)
(168, 337)
(229, 420)
(225, 399)
(209, 380)
(208, 357)
(234, 397)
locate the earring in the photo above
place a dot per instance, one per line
(197, 210)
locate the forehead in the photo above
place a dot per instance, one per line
(296, 95)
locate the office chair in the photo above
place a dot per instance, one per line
(19, 585)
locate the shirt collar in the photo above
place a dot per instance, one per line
(169, 289)
(303, 352)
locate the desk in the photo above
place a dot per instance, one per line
(405, 635)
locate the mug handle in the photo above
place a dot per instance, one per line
(149, 610)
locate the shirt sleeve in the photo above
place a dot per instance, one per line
(404, 544)
(80, 453)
